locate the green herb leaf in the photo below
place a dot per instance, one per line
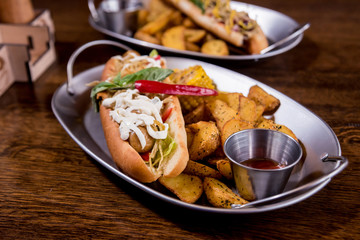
(153, 74)
(99, 88)
(128, 81)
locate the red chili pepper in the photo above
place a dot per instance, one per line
(147, 86)
(166, 114)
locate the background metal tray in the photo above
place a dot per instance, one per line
(77, 116)
(275, 25)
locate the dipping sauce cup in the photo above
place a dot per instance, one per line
(261, 161)
(119, 16)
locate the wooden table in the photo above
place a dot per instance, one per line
(49, 187)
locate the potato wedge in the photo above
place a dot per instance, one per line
(215, 47)
(158, 24)
(174, 38)
(212, 161)
(233, 126)
(232, 99)
(196, 115)
(156, 8)
(259, 112)
(158, 35)
(194, 35)
(209, 37)
(142, 17)
(224, 168)
(261, 97)
(146, 37)
(270, 124)
(176, 18)
(192, 46)
(205, 141)
(221, 112)
(188, 23)
(247, 109)
(220, 195)
(219, 153)
(186, 187)
(189, 136)
(201, 170)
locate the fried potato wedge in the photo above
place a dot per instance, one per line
(260, 109)
(205, 141)
(232, 99)
(220, 195)
(192, 46)
(221, 112)
(224, 168)
(158, 23)
(270, 124)
(194, 35)
(174, 38)
(142, 17)
(188, 23)
(146, 37)
(196, 115)
(215, 47)
(247, 109)
(201, 170)
(209, 37)
(156, 8)
(187, 188)
(261, 97)
(176, 18)
(233, 126)
(189, 136)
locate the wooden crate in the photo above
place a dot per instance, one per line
(6, 73)
(27, 49)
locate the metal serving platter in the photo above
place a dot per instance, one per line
(77, 116)
(275, 25)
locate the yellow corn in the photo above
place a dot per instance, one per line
(195, 76)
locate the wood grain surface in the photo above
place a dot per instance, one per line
(51, 189)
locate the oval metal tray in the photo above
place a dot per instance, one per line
(275, 25)
(77, 116)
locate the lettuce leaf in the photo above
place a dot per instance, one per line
(162, 149)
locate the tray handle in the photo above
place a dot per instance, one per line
(93, 10)
(343, 162)
(77, 52)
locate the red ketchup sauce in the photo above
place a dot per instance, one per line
(262, 163)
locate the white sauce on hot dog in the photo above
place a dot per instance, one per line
(132, 59)
(131, 110)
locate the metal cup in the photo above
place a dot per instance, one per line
(252, 183)
(118, 16)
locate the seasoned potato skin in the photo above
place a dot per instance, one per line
(205, 140)
(188, 188)
(201, 170)
(220, 195)
(224, 168)
(261, 97)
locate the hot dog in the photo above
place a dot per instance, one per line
(145, 135)
(217, 17)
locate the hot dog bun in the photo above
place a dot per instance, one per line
(253, 41)
(125, 156)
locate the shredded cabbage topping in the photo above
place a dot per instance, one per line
(161, 151)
